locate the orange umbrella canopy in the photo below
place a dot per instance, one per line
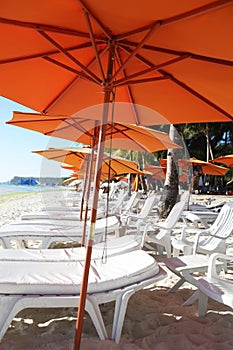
(118, 135)
(206, 167)
(171, 57)
(76, 158)
(157, 172)
(227, 160)
(70, 179)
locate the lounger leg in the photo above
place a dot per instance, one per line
(176, 252)
(119, 314)
(177, 285)
(191, 300)
(12, 305)
(6, 242)
(168, 250)
(93, 309)
(9, 306)
(202, 303)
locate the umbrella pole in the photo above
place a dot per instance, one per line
(83, 291)
(84, 194)
(89, 174)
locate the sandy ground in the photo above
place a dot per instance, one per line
(155, 319)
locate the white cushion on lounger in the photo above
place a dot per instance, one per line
(119, 245)
(69, 232)
(21, 226)
(65, 277)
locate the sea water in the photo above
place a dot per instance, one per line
(5, 188)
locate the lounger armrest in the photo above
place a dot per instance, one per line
(160, 225)
(197, 239)
(212, 265)
(216, 236)
(194, 230)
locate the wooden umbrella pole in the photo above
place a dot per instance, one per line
(100, 153)
(84, 194)
(81, 309)
(89, 174)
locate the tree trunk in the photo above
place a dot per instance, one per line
(171, 184)
(142, 178)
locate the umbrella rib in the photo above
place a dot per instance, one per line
(68, 55)
(77, 126)
(57, 158)
(127, 136)
(145, 80)
(196, 12)
(138, 56)
(45, 27)
(83, 129)
(47, 53)
(69, 86)
(151, 69)
(94, 45)
(137, 121)
(66, 121)
(106, 31)
(125, 44)
(153, 28)
(196, 94)
(73, 70)
(120, 163)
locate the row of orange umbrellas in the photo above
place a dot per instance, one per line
(75, 160)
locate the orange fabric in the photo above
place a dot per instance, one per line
(40, 73)
(124, 136)
(158, 172)
(227, 160)
(76, 158)
(207, 168)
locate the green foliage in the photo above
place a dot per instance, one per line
(220, 137)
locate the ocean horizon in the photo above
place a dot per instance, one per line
(8, 188)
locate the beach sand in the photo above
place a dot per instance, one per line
(155, 319)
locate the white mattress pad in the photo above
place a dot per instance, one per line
(41, 229)
(116, 246)
(38, 277)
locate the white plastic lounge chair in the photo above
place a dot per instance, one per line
(57, 284)
(50, 234)
(149, 203)
(130, 204)
(213, 286)
(215, 235)
(67, 214)
(160, 232)
(114, 207)
(214, 206)
(199, 218)
(186, 268)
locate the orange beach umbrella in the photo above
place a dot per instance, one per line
(117, 135)
(76, 158)
(227, 160)
(60, 56)
(206, 167)
(63, 56)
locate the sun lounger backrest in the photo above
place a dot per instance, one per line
(148, 205)
(174, 214)
(130, 202)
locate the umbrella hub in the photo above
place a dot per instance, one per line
(106, 87)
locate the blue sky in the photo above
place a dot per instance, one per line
(17, 145)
